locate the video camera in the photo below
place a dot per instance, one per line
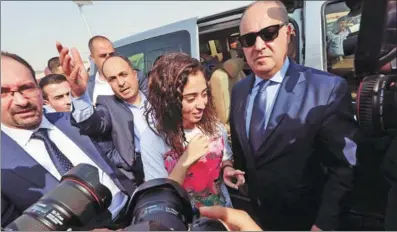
(159, 204)
(376, 46)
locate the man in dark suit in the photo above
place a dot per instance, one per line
(101, 48)
(390, 168)
(120, 117)
(290, 125)
(37, 149)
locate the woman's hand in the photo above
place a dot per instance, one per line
(197, 148)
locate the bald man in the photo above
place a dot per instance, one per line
(101, 48)
(292, 129)
(118, 119)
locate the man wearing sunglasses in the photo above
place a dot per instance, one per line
(292, 129)
(101, 48)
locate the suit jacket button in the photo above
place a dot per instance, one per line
(259, 202)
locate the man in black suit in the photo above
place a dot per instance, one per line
(390, 168)
(118, 118)
(292, 129)
(101, 48)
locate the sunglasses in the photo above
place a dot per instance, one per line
(104, 55)
(267, 34)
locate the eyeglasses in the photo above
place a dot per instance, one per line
(267, 34)
(27, 90)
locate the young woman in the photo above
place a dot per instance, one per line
(187, 143)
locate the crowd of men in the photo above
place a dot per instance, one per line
(288, 123)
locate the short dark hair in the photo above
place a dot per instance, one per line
(53, 63)
(51, 79)
(21, 61)
(94, 38)
(121, 57)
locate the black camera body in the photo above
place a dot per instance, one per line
(156, 205)
(377, 46)
(159, 204)
(73, 203)
(162, 204)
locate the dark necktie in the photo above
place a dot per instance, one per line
(61, 162)
(258, 117)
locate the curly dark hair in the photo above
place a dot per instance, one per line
(167, 81)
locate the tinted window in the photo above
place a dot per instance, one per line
(144, 53)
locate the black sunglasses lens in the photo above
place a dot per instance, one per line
(269, 33)
(248, 40)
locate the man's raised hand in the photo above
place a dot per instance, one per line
(74, 69)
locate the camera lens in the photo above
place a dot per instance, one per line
(73, 203)
(162, 201)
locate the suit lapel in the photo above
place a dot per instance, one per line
(130, 136)
(62, 121)
(15, 158)
(289, 92)
(241, 111)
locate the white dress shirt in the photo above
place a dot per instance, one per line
(272, 89)
(36, 149)
(101, 88)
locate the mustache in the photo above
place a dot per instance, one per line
(18, 109)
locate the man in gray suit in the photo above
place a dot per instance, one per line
(101, 48)
(118, 118)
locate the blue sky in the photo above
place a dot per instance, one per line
(30, 28)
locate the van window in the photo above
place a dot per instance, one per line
(341, 31)
(143, 53)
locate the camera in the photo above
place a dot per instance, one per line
(376, 46)
(73, 203)
(159, 204)
(163, 204)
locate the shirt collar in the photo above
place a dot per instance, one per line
(141, 104)
(22, 136)
(279, 76)
(98, 80)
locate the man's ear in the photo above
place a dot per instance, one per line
(46, 102)
(289, 32)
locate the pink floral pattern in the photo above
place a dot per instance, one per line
(203, 180)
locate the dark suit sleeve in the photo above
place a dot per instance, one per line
(98, 124)
(238, 155)
(390, 168)
(8, 211)
(338, 140)
(143, 82)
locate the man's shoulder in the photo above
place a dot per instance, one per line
(56, 116)
(245, 82)
(317, 76)
(107, 99)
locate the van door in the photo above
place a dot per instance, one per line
(143, 48)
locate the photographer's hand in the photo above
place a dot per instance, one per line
(233, 219)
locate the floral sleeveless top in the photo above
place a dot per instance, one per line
(203, 181)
